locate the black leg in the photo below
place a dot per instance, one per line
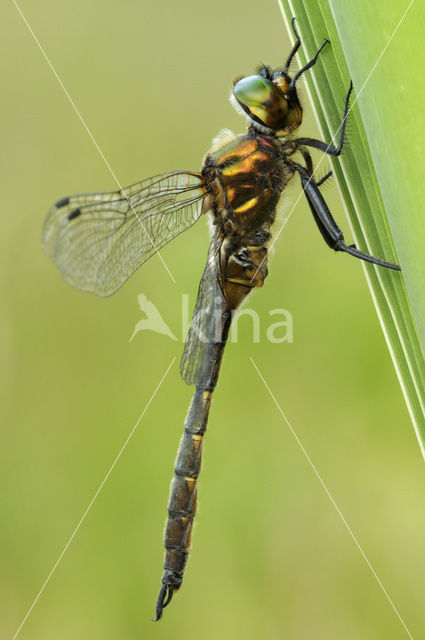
(308, 161)
(309, 166)
(329, 148)
(329, 229)
(295, 47)
(322, 180)
(309, 64)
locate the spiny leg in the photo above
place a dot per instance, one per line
(323, 146)
(322, 180)
(309, 64)
(309, 166)
(295, 47)
(329, 229)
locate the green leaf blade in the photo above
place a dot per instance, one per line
(379, 172)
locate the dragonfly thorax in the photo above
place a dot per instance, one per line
(246, 177)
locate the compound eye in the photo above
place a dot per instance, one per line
(262, 100)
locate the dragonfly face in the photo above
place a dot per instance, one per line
(270, 101)
(98, 240)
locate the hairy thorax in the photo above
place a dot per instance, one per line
(244, 176)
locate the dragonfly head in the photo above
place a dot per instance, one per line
(270, 101)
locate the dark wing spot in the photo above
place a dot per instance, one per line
(74, 214)
(62, 203)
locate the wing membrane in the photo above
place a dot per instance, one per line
(205, 325)
(98, 240)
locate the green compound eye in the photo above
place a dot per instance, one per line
(262, 100)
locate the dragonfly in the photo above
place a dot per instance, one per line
(99, 240)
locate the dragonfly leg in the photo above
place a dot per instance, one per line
(323, 146)
(310, 169)
(309, 64)
(295, 47)
(329, 229)
(322, 180)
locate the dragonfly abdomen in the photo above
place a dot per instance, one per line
(182, 503)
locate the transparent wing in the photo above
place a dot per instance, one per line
(98, 240)
(205, 321)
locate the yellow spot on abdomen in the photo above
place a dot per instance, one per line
(190, 482)
(197, 440)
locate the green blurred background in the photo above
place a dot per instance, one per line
(271, 557)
